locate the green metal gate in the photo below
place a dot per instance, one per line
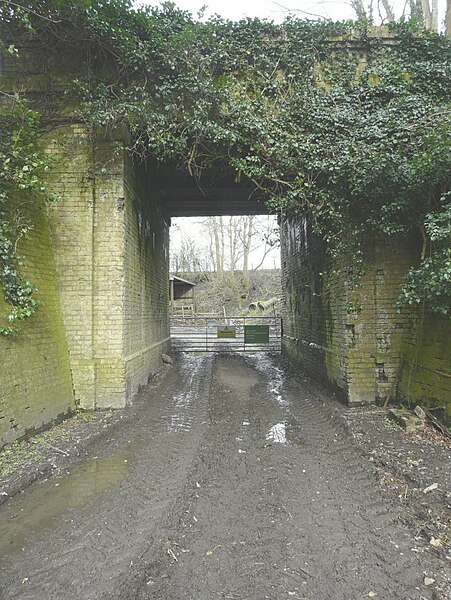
(226, 334)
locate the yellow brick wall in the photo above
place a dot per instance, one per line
(315, 321)
(71, 219)
(99, 256)
(108, 276)
(426, 364)
(111, 245)
(351, 333)
(146, 283)
(35, 377)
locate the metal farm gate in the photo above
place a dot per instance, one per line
(226, 334)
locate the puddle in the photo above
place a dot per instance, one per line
(29, 514)
(277, 434)
(238, 376)
(273, 374)
(287, 432)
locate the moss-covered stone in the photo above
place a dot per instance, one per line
(35, 376)
(425, 376)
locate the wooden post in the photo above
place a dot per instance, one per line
(171, 286)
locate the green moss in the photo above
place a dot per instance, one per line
(35, 379)
(426, 366)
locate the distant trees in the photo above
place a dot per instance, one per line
(226, 244)
(233, 239)
(383, 11)
(226, 247)
(190, 257)
(420, 10)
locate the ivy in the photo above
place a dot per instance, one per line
(430, 282)
(278, 106)
(21, 169)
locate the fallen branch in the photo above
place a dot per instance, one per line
(436, 423)
(52, 447)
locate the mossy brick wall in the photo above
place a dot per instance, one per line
(87, 234)
(35, 376)
(146, 283)
(108, 276)
(391, 260)
(302, 260)
(71, 218)
(111, 248)
(318, 333)
(108, 290)
(426, 364)
(104, 248)
(349, 332)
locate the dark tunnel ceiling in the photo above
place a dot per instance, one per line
(184, 196)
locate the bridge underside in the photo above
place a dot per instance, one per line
(212, 195)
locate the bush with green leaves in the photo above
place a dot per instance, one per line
(21, 169)
(284, 107)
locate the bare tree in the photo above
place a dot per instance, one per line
(231, 240)
(218, 236)
(382, 11)
(360, 9)
(191, 257)
(448, 18)
(248, 232)
(388, 10)
(233, 237)
(430, 14)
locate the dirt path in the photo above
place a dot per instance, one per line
(231, 482)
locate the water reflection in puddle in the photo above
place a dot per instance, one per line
(27, 515)
(277, 434)
(273, 374)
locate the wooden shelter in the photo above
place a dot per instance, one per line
(182, 298)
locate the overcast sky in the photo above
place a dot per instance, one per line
(268, 9)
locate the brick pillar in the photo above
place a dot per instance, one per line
(111, 246)
(108, 276)
(87, 235)
(72, 220)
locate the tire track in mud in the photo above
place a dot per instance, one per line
(240, 487)
(364, 508)
(89, 547)
(300, 516)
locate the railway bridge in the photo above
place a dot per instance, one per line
(100, 260)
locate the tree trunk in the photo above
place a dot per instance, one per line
(448, 18)
(218, 236)
(416, 10)
(233, 235)
(359, 9)
(247, 240)
(434, 15)
(427, 14)
(388, 10)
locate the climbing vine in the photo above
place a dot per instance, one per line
(21, 169)
(361, 148)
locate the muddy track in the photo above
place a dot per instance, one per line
(83, 550)
(238, 485)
